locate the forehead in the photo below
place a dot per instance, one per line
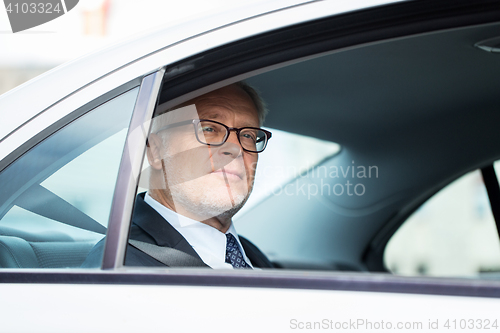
(228, 102)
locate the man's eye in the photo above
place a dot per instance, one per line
(208, 129)
(248, 136)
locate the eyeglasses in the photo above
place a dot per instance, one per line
(213, 133)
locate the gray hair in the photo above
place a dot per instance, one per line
(259, 103)
(165, 117)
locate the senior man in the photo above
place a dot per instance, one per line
(202, 156)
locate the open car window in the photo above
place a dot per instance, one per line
(56, 198)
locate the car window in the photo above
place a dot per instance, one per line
(331, 214)
(452, 234)
(56, 198)
(177, 173)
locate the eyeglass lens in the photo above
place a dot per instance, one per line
(213, 133)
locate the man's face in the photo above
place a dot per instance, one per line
(209, 181)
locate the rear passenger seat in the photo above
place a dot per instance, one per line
(19, 249)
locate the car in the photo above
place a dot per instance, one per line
(376, 199)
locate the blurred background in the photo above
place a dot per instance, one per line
(452, 234)
(91, 25)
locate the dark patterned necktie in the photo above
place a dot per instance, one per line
(233, 253)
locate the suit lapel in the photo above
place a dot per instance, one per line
(253, 253)
(149, 226)
(153, 224)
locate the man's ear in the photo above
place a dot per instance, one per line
(155, 146)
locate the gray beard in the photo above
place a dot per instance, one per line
(202, 203)
(208, 205)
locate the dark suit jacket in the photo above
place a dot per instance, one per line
(150, 227)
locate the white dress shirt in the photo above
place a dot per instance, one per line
(208, 242)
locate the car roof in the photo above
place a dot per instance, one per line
(87, 69)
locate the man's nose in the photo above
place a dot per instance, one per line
(231, 146)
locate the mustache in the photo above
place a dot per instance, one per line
(202, 154)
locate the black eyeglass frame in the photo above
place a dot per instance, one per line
(195, 123)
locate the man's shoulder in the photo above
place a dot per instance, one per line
(133, 256)
(145, 228)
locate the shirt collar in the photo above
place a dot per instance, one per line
(208, 242)
(175, 219)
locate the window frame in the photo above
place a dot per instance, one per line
(128, 173)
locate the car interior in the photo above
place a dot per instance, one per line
(421, 109)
